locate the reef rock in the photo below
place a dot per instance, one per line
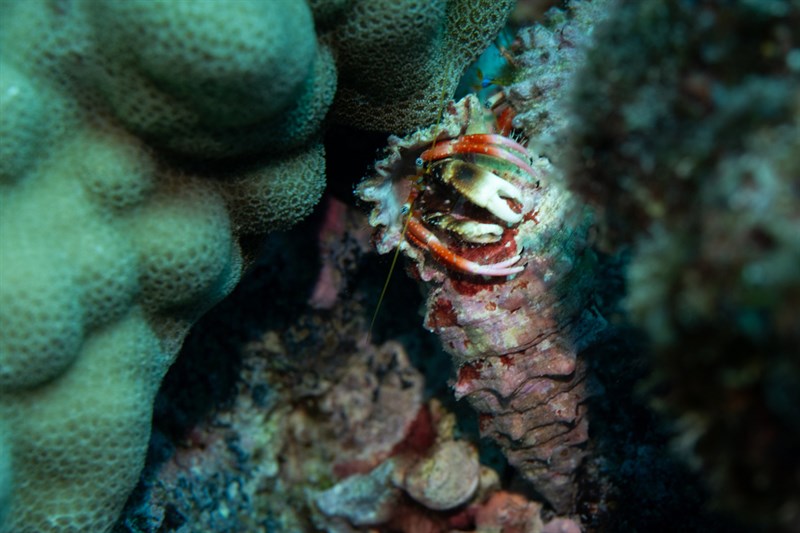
(686, 138)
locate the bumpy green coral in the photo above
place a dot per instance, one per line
(203, 91)
(399, 61)
(139, 142)
(109, 249)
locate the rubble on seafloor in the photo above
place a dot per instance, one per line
(328, 431)
(346, 445)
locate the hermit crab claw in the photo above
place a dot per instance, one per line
(483, 188)
(419, 235)
(468, 230)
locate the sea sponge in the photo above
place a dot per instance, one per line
(400, 61)
(111, 247)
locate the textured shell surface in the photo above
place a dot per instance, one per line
(514, 340)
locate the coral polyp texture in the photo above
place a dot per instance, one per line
(398, 59)
(514, 335)
(140, 142)
(108, 253)
(687, 138)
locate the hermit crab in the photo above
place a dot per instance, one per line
(508, 279)
(455, 191)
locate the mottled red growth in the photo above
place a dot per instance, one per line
(506, 360)
(471, 287)
(442, 315)
(533, 215)
(463, 520)
(509, 513)
(469, 372)
(483, 421)
(419, 438)
(522, 284)
(421, 435)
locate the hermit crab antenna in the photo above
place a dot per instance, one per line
(410, 205)
(410, 210)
